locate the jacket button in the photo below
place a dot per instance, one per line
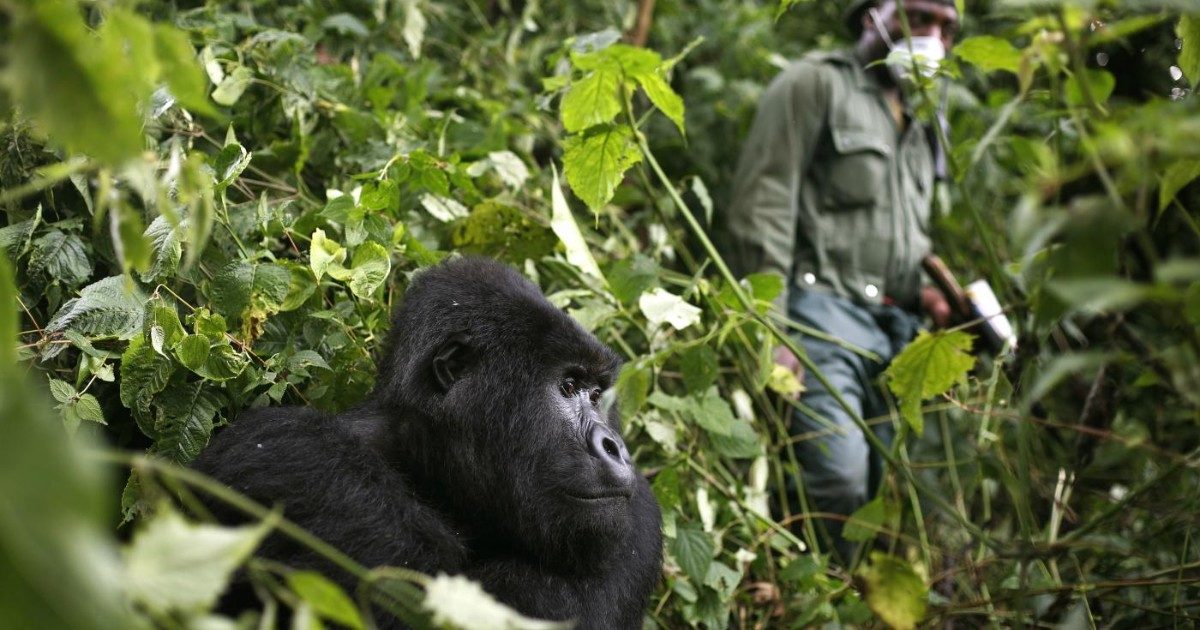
(871, 291)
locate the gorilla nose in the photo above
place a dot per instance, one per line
(609, 450)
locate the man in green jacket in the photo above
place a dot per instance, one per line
(833, 191)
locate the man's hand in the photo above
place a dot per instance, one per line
(784, 357)
(935, 304)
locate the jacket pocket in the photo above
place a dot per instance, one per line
(857, 174)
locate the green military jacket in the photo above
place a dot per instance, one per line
(829, 193)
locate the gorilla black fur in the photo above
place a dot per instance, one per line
(482, 451)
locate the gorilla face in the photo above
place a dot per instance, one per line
(579, 474)
(597, 477)
(519, 445)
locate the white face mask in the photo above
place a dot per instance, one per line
(928, 52)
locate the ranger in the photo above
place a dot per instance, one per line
(833, 191)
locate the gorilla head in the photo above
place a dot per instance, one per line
(498, 396)
(484, 451)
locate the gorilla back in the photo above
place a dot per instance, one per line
(483, 450)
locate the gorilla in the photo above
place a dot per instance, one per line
(483, 450)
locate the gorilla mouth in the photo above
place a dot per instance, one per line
(599, 498)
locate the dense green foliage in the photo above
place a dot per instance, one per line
(213, 207)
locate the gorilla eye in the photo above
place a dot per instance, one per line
(568, 387)
(594, 395)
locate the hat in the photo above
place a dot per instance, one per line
(852, 17)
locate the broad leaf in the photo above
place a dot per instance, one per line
(326, 598)
(741, 443)
(592, 100)
(699, 366)
(369, 269)
(989, 53)
(240, 285)
(866, 521)
(233, 86)
(176, 566)
(186, 412)
(111, 307)
(595, 161)
(181, 69)
(711, 412)
(693, 551)
(144, 373)
(165, 241)
(88, 106)
(1177, 176)
(324, 253)
(60, 256)
(663, 97)
(930, 365)
(894, 591)
(629, 277)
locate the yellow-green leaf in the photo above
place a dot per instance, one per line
(929, 366)
(592, 100)
(324, 253)
(894, 591)
(663, 97)
(327, 599)
(595, 161)
(989, 53)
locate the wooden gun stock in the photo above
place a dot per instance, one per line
(948, 285)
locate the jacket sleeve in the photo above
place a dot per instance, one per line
(761, 220)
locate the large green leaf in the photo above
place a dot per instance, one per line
(699, 366)
(324, 254)
(327, 599)
(866, 521)
(241, 285)
(929, 366)
(592, 100)
(741, 443)
(595, 161)
(60, 256)
(711, 412)
(663, 97)
(111, 307)
(186, 412)
(989, 53)
(693, 551)
(58, 562)
(181, 69)
(894, 591)
(176, 566)
(161, 325)
(165, 241)
(369, 269)
(71, 82)
(144, 373)
(1177, 176)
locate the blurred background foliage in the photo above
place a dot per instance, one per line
(210, 206)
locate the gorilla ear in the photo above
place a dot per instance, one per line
(451, 360)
